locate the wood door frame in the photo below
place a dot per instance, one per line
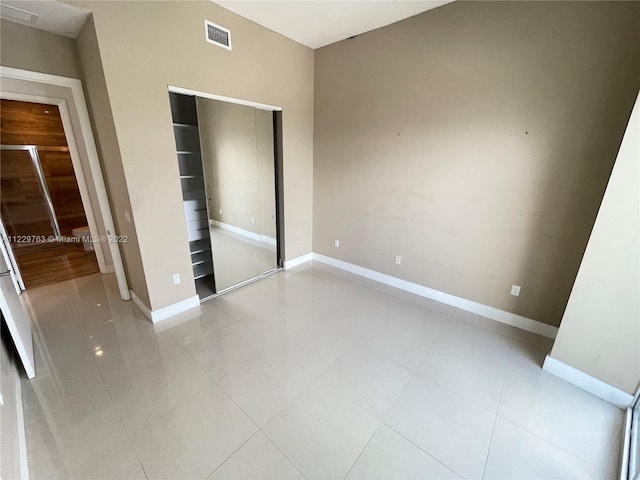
(78, 104)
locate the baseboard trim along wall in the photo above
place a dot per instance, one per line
(294, 262)
(168, 311)
(245, 233)
(493, 313)
(588, 383)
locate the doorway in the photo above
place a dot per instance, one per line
(41, 206)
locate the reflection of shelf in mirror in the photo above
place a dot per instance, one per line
(184, 125)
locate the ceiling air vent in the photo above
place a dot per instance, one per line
(217, 35)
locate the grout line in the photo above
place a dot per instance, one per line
(588, 462)
(230, 455)
(486, 460)
(363, 449)
(432, 345)
(283, 454)
(421, 449)
(141, 465)
(495, 421)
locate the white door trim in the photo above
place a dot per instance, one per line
(222, 98)
(16, 315)
(75, 161)
(7, 252)
(74, 86)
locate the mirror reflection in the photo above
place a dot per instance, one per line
(237, 153)
(237, 158)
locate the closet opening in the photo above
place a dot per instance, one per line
(229, 159)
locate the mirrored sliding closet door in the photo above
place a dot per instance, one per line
(226, 155)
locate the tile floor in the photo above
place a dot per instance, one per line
(310, 373)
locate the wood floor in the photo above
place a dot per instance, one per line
(43, 264)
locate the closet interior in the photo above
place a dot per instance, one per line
(227, 156)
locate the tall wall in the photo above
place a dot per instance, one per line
(474, 140)
(146, 46)
(31, 49)
(600, 330)
(111, 160)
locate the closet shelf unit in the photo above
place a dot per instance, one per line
(186, 133)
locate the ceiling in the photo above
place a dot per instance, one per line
(55, 17)
(314, 23)
(317, 23)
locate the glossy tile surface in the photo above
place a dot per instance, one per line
(310, 373)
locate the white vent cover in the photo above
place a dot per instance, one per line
(217, 35)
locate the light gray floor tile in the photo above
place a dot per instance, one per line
(322, 433)
(257, 459)
(453, 430)
(389, 456)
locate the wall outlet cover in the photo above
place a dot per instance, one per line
(515, 290)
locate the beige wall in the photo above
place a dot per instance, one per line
(107, 142)
(34, 50)
(229, 155)
(600, 331)
(31, 49)
(475, 141)
(238, 157)
(146, 46)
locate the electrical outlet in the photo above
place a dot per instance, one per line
(253, 221)
(127, 216)
(398, 259)
(336, 243)
(176, 279)
(220, 211)
(515, 290)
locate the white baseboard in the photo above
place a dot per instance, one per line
(168, 311)
(140, 304)
(294, 262)
(493, 313)
(245, 233)
(588, 383)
